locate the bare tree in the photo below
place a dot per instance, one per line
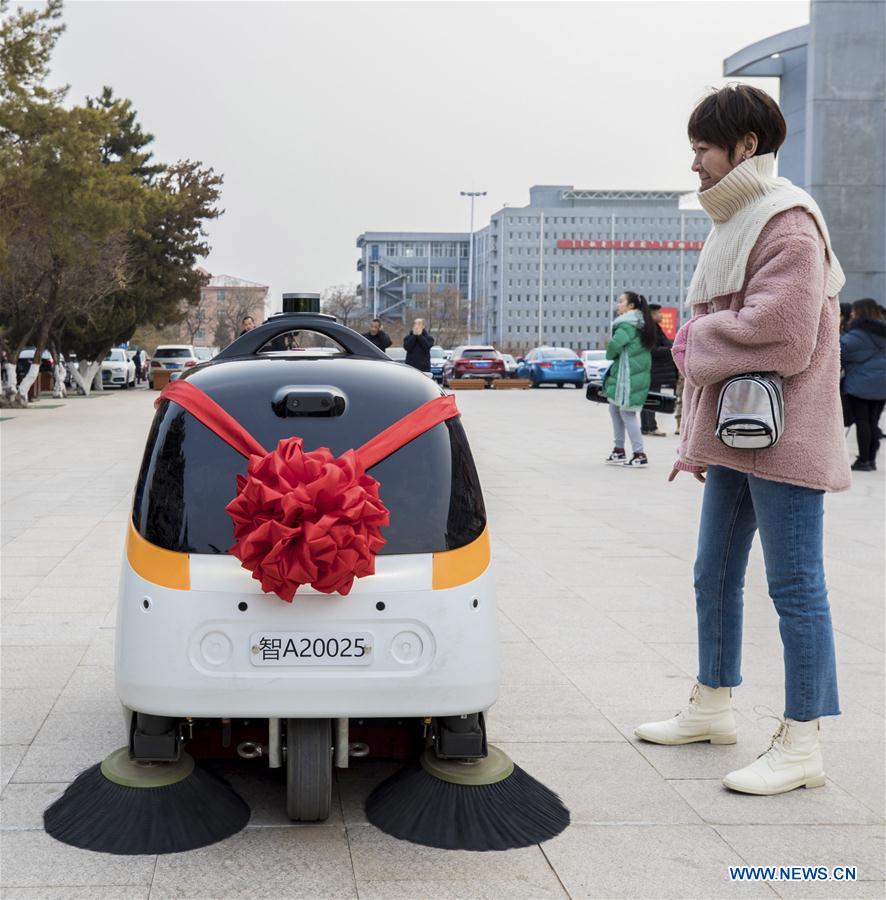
(236, 305)
(343, 302)
(445, 313)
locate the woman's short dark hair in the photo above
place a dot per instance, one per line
(724, 117)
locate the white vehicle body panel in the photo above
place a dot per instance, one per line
(189, 652)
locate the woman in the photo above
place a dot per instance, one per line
(863, 353)
(626, 383)
(764, 299)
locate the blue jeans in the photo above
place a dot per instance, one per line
(789, 519)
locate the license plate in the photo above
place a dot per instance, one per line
(310, 648)
(482, 365)
(173, 366)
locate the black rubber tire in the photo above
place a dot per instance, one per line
(559, 384)
(308, 769)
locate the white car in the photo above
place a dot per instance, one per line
(205, 353)
(173, 358)
(118, 370)
(398, 354)
(595, 363)
(510, 365)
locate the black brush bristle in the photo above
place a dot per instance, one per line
(97, 814)
(515, 812)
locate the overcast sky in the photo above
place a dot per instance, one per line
(330, 119)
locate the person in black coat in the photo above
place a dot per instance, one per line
(664, 372)
(417, 345)
(377, 336)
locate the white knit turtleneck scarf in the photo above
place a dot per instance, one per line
(741, 204)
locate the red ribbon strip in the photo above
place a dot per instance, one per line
(307, 517)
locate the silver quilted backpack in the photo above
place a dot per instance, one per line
(750, 412)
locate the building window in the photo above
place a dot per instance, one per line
(437, 248)
(392, 248)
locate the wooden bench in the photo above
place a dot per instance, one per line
(467, 384)
(160, 378)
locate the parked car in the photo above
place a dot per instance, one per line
(173, 358)
(474, 361)
(398, 354)
(26, 357)
(438, 360)
(595, 363)
(510, 365)
(552, 365)
(118, 370)
(205, 353)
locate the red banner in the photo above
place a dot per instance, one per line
(630, 245)
(669, 321)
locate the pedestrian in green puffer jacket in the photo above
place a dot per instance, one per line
(627, 382)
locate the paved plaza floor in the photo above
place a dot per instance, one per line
(597, 632)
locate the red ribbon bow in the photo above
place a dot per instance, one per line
(307, 517)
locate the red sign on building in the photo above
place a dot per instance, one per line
(669, 320)
(630, 245)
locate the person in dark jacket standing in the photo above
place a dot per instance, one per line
(664, 372)
(377, 336)
(863, 358)
(417, 345)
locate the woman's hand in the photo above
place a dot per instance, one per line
(698, 476)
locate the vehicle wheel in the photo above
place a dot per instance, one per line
(559, 384)
(578, 386)
(534, 383)
(308, 769)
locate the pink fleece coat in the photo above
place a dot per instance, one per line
(780, 321)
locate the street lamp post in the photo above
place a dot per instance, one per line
(472, 195)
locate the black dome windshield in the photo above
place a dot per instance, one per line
(188, 474)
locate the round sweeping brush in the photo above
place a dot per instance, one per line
(487, 804)
(126, 807)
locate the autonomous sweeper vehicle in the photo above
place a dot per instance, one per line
(307, 579)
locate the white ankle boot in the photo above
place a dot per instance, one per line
(708, 717)
(793, 760)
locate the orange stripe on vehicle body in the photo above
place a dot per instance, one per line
(455, 567)
(164, 567)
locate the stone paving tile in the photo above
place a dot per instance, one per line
(718, 805)
(38, 667)
(811, 890)
(58, 761)
(603, 783)
(261, 863)
(23, 712)
(524, 663)
(48, 629)
(22, 805)
(545, 713)
(357, 782)
(633, 861)
(653, 681)
(811, 845)
(67, 599)
(10, 756)
(17, 587)
(76, 892)
(860, 769)
(387, 867)
(34, 859)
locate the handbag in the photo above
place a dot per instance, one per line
(750, 411)
(655, 401)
